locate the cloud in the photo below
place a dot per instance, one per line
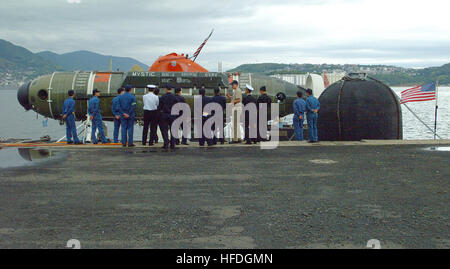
(405, 33)
(74, 1)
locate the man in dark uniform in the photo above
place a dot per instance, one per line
(205, 100)
(180, 99)
(263, 99)
(248, 98)
(222, 101)
(167, 101)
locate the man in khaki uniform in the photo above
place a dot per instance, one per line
(236, 102)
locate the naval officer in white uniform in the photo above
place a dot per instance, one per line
(151, 102)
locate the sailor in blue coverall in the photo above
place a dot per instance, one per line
(127, 104)
(96, 118)
(116, 112)
(299, 116)
(312, 108)
(68, 115)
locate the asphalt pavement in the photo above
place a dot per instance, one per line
(320, 196)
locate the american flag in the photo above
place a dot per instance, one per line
(426, 92)
(201, 46)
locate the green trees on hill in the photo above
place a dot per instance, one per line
(390, 75)
(419, 76)
(437, 73)
(18, 64)
(15, 58)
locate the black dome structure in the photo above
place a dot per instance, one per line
(359, 107)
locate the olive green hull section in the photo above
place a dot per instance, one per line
(46, 94)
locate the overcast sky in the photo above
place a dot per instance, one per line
(404, 33)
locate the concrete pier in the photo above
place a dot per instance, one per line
(326, 195)
(64, 145)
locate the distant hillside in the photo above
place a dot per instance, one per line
(264, 68)
(391, 75)
(86, 60)
(441, 73)
(18, 65)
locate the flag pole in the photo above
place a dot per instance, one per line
(436, 109)
(417, 117)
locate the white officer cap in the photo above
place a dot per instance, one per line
(150, 86)
(249, 87)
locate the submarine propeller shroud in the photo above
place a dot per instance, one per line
(22, 96)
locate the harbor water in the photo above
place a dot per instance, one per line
(15, 122)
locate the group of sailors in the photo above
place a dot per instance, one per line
(158, 112)
(123, 108)
(310, 107)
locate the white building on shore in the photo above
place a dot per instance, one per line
(297, 79)
(301, 79)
